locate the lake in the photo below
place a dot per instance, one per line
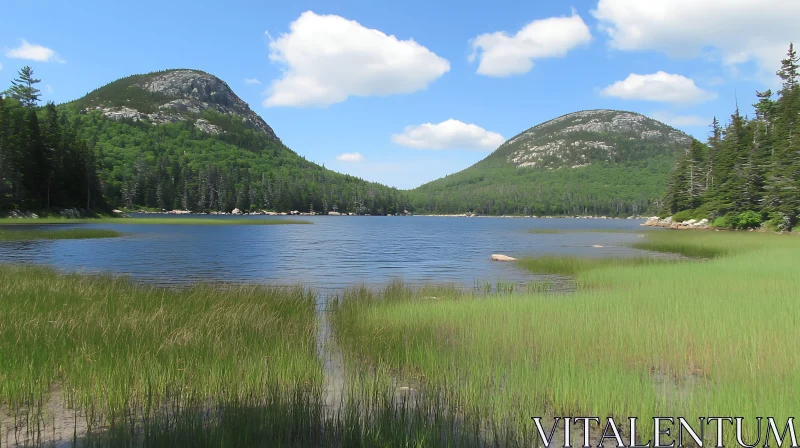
(334, 252)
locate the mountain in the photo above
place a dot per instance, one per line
(172, 96)
(182, 139)
(592, 162)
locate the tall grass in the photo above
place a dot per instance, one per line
(66, 234)
(692, 338)
(121, 352)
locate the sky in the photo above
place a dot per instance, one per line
(403, 93)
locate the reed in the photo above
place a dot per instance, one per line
(65, 234)
(639, 338)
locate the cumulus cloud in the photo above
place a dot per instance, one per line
(350, 157)
(252, 81)
(689, 28)
(329, 58)
(504, 55)
(660, 86)
(450, 134)
(33, 52)
(680, 120)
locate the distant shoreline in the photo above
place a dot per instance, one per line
(461, 215)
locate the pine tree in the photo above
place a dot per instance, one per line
(23, 90)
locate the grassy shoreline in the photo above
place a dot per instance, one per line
(125, 354)
(638, 338)
(65, 234)
(150, 221)
(233, 364)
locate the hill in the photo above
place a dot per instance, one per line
(182, 139)
(593, 162)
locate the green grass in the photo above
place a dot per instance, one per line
(127, 354)
(67, 234)
(693, 338)
(160, 221)
(208, 366)
(546, 231)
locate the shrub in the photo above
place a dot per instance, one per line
(698, 214)
(722, 221)
(777, 222)
(747, 220)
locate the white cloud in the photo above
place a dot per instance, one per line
(660, 86)
(450, 134)
(350, 157)
(252, 81)
(680, 120)
(48, 89)
(329, 58)
(1, 65)
(735, 31)
(33, 52)
(504, 55)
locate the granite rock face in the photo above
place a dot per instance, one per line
(185, 95)
(587, 137)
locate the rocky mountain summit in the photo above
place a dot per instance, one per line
(172, 96)
(589, 136)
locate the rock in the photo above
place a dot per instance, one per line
(188, 93)
(70, 213)
(236, 211)
(501, 257)
(651, 221)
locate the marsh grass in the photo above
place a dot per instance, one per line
(159, 221)
(65, 234)
(120, 351)
(640, 338)
(118, 363)
(548, 231)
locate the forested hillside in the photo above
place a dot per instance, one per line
(43, 163)
(596, 162)
(181, 139)
(748, 173)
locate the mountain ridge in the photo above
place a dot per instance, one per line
(173, 95)
(182, 139)
(597, 161)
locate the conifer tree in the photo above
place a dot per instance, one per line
(23, 90)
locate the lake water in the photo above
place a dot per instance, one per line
(334, 252)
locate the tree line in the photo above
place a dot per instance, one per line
(43, 163)
(68, 156)
(748, 172)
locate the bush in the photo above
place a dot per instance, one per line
(777, 222)
(747, 220)
(722, 222)
(683, 215)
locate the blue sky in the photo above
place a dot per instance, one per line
(407, 92)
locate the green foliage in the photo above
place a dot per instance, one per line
(751, 167)
(581, 177)
(683, 215)
(176, 165)
(22, 88)
(747, 220)
(43, 163)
